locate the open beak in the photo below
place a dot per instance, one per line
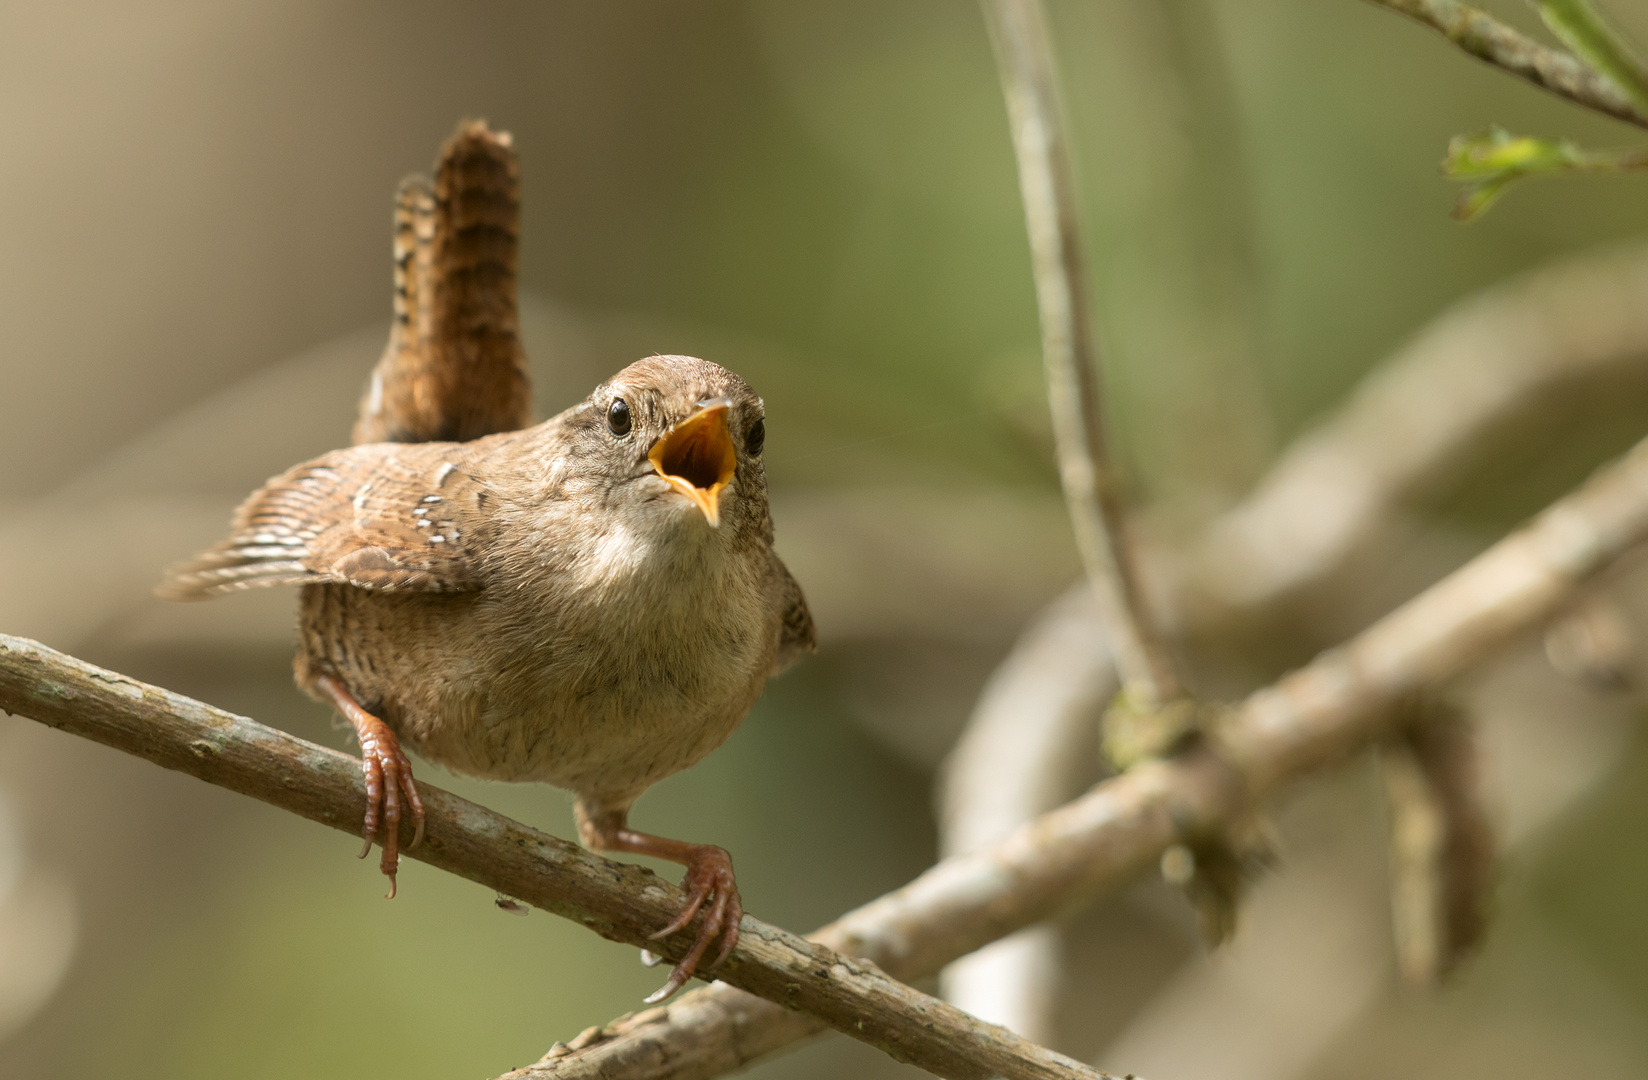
(696, 456)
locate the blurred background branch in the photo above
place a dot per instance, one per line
(1442, 848)
(1466, 380)
(1029, 745)
(1339, 493)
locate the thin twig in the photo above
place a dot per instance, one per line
(1486, 38)
(1070, 355)
(1339, 703)
(620, 902)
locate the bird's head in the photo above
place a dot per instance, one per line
(678, 443)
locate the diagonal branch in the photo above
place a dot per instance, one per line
(620, 902)
(1488, 39)
(1069, 353)
(1341, 702)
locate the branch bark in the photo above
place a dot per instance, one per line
(1339, 703)
(1024, 56)
(620, 902)
(1488, 39)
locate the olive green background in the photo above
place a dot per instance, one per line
(194, 280)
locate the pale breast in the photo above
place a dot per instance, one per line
(600, 687)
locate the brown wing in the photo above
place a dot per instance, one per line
(796, 635)
(389, 517)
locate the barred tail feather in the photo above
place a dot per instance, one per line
(454, 369)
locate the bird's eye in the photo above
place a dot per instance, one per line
(618, 418)
(756, 438)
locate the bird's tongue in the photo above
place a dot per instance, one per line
(696, 456)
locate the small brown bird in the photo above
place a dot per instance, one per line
(593, 602)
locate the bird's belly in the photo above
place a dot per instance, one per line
(604, 724)
(604, 691)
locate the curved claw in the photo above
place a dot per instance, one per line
(391, 860)
(695, 900)
(380, 756)
(729, 934)
(382, 759)
(710, 875)
(676, 981)
(417, 813)
(372, 770)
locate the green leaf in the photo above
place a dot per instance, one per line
(1496, 151)
(1490, 161)
(1600, 44)
(1475, 198)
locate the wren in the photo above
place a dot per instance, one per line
(591, 602)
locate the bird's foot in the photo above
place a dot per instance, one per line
(709, 881)
(381, 760)
(388, 782)
(709, 885)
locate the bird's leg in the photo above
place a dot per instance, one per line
(381, 758)
(709, 880)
